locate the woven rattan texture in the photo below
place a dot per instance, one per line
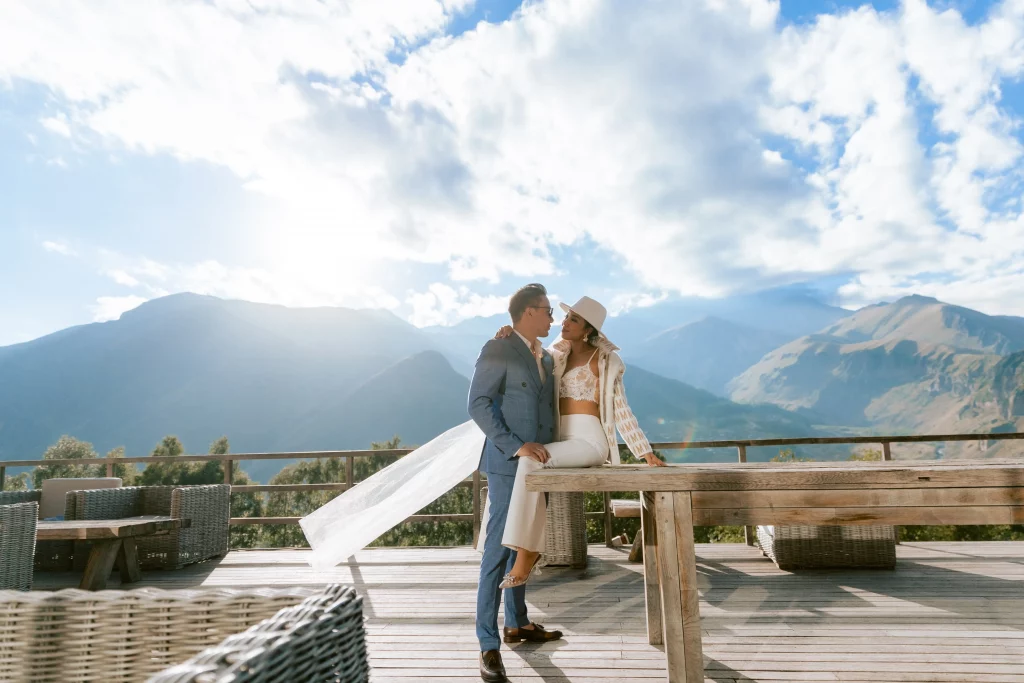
(319, 641)
(797, 546)
(122, 636)
(17, 544)
(566, 530)
(49, 555)
(208, 508)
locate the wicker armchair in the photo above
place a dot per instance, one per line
(321, 640)
(123, 636)
(209, 508)
(17, 544)
(806, 547)
(49, 555)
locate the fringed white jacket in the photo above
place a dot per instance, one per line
(615, 412)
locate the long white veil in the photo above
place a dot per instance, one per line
(372, 507)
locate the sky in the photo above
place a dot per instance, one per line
(429, 156)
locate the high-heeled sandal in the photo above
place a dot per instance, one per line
(509, 581)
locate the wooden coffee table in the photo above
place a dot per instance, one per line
(113, 541)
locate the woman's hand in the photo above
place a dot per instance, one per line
(505, 331)
(653, 460)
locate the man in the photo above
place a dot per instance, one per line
(512, 400)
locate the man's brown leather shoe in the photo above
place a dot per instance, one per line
(491, 668)
(537, 634)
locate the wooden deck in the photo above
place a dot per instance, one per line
(949, 612)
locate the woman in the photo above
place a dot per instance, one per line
(591, 405)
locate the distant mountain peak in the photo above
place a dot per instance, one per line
(917, 300)
(172, 303)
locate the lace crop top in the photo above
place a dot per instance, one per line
(580, 383)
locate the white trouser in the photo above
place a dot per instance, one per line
(582, 444)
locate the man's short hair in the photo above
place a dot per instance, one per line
(525, 297)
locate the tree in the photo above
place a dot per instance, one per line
(789, 455)
(128, 472)
(67, 448)
(322, 471)
(16, 482)
(208, 472)
(866, 455)
(318, 471)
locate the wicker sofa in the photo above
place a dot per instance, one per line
(807, 547)
(321, 640)
(208, 508)
(123, 636)
(17, 544)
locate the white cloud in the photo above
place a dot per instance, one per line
(623, 303)
(122, 278)
(57, 124)
(707, 145)
(58, 248)
(441, 304)
(311, 288)
(111, 307)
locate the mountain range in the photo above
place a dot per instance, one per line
(273, 378)
(916, 365)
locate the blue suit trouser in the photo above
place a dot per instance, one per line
(497, 560)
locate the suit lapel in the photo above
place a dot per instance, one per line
(549, 368)
(531, 362)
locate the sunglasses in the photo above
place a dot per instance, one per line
(549, 309)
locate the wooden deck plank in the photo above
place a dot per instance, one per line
(949, 612)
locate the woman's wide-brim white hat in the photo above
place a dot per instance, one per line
(590, 310)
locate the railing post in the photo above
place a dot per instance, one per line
(228, 471)
(110, 469)
(3, 478)
(349, 471)
(748, 531)
(886, 456)
(608, 519)
(476, 507)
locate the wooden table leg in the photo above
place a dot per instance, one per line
(677, 566)
(636, 552)
(101, 563)
(128, 561)
(652, 593)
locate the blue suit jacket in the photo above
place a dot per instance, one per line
(509, 403)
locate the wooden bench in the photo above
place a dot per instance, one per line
(678, 497)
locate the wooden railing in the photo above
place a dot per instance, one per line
(228, 460)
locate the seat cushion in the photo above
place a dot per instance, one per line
(51, 503)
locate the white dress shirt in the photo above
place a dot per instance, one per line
(538, 353)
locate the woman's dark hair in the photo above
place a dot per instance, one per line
(526, 296)
(593, 334)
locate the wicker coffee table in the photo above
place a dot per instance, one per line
(113, 541)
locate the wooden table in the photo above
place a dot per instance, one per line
(828, 493)
(113, 541)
